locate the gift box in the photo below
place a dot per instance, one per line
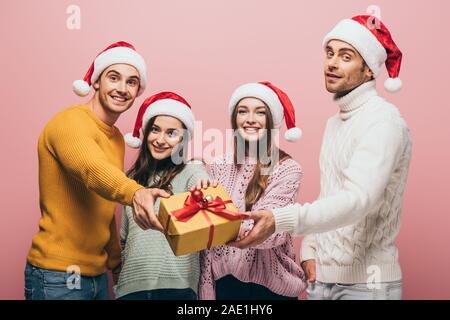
(199, 220)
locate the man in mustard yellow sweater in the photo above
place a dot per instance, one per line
(81, 155)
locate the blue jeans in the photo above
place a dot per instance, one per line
(42, 284)
(358, 291)
(161, 294)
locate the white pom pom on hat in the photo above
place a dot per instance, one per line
(81, 88)
(393, 84)
(293, 134)
(131, 141)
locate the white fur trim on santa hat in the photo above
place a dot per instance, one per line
(393, 84)
(121, 55)
(81, 88)
(170, 107)
(293, 134)
(360, 37)
(262, 92)
(131, 141)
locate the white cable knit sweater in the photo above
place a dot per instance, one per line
(364, 163)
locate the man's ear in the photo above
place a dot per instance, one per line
(369, 73)
(96, 85)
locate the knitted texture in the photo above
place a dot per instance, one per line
(148, 262)
(364, 164)
(272, 263)
(80, 180)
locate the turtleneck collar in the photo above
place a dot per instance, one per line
(351, 102)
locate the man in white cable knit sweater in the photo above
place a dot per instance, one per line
(351, 229)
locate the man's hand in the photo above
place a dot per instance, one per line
(143, 214)
(309, 266)
(204, 183)
(264, 226)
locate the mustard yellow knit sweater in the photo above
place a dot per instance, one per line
(80, 179)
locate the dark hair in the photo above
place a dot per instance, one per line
(258, 182)
(363, 68)
(145, 168)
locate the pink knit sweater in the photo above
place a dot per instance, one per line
(272, 263)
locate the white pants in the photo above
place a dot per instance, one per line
(359, 291)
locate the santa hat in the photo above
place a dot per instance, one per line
(278, 102)
(119, 52)
(163, 103)
(375, 44)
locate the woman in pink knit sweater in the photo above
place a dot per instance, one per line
(257, 176)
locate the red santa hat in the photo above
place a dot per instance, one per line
(119, 52)
(278, 102)
(163, 103)
(374, 42)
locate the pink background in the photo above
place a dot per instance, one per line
(203, 49)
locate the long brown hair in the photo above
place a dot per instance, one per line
(258, 183)
(144, 170)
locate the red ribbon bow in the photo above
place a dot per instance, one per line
(195, 203)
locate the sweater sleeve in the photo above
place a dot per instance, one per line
(197, 171)
(212, 170)
(281, 191)
(215, 168)
(113, 247)
(308, 248)
(365, 180)
(76, 149)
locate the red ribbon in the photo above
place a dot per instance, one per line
(192, 207)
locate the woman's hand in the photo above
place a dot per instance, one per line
(203, 184)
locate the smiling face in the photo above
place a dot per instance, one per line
(344, 68)
(251, 118)
(165, 134)
(117, 88)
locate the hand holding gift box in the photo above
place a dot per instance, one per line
(194, 222)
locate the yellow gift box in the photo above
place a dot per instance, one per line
(199, 220)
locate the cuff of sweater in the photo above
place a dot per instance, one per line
(206, 292)
(130, 190)
(307, 253)
(285, 219)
